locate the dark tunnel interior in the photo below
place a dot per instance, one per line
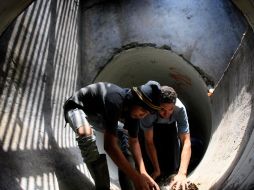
(49, 49)
(138, 65)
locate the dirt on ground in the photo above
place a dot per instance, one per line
(164, 184)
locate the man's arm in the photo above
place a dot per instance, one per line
(181, 178)
(186, 153)
(152, 153)
(113, 150)
(136, 151)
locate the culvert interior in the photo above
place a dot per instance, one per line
(136, 66)
(55, 47)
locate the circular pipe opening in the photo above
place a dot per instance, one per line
(136, 66)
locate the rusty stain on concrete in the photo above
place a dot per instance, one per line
(183, 79)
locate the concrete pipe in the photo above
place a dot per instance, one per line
(52, 48)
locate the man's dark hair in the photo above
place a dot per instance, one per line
(168, 94)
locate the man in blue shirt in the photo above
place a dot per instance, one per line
(171, 115)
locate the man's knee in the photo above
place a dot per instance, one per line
(85, 131)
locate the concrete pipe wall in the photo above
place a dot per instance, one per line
(228, 162)
(55, 47)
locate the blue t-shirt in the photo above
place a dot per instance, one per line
(179, 116)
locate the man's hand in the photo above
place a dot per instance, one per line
(180, 180)
(145, 182)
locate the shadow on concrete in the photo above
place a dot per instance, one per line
(20, 80)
